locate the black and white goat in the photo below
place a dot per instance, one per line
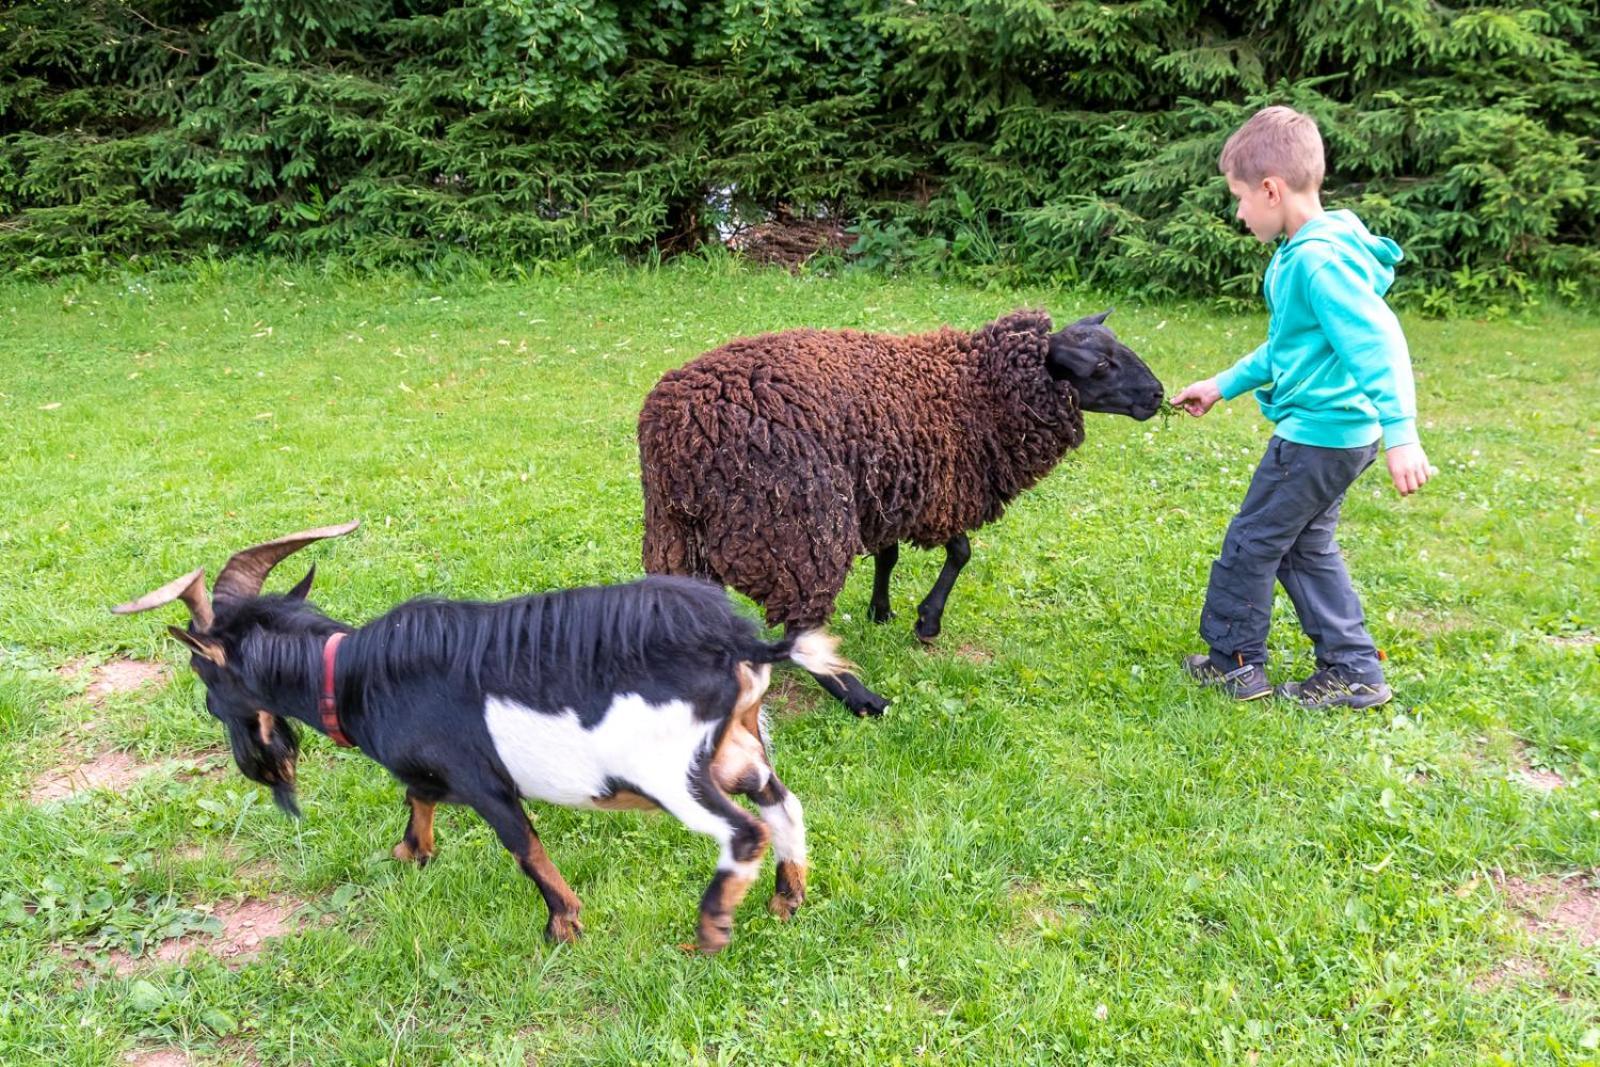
(633, 696)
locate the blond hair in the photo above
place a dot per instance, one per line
(1276, 142)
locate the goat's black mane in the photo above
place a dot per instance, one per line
(590, 637)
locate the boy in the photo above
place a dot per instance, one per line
(1335, 377)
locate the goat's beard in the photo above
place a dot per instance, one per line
(273, 762)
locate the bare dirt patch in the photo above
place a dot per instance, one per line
(1566, 907)
(1517, 970)
(112, 677)
(161, 1057)
(109, 770)
(116, 771)
(246, 928)
(1545, 781)
(1541, 778)
(790, 688)
(1583, 640)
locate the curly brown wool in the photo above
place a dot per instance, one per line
(770, 463)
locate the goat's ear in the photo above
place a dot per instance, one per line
(1095, 320)
(303, 586)
(200, 646)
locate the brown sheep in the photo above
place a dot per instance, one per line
(771, 463)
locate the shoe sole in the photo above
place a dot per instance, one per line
(1237, 696)
(1351, 704)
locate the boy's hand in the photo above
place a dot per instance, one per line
(1409, 468)
(1199, 398)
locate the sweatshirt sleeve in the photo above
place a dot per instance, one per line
(1367, 338)
(1251, 372)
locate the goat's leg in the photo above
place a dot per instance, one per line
(741, 767)
(781, 811)
(417, 844)
(505, 814)
(705, 808)
(930, 613)
(883, 562)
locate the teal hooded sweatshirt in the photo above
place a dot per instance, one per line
(1335, 370)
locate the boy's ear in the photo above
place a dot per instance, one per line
(303, 586)
(200, 646)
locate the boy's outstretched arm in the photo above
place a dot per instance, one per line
(1367, 338)
(1249, 373)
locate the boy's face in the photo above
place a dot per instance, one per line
(1260, 205)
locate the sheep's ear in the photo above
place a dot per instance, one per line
(1067, 360)
(200, 646)
(303, 586)
(1095, 320)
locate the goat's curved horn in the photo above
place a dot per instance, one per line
(191, 589)
(243, 574)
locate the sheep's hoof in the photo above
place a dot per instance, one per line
(870, 706)
(565, 929)
(406, 854)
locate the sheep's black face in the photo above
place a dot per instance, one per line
(1106, 374)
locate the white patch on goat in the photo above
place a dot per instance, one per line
(649, 747)
(788, 825)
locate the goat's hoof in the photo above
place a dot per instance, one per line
(880, 614)
(406, 854)
(713, 933)
(711, 944)
(564, 929)
(784, 905)
(927, 631)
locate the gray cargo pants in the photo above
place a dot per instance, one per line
(1284, 532)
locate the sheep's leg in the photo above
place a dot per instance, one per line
(930, 613)
(846, 688)
(417, 844)
(883, 563)
(510, 822)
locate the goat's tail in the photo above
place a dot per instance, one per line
(815, 650)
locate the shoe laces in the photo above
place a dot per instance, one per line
(1325, 682)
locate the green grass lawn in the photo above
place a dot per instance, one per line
(1052, 850)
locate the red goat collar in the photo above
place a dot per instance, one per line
(330, 711)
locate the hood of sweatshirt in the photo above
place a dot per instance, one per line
(1352, 240)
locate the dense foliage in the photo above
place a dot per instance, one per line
(1073, 139)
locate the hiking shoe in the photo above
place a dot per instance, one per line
(1327, 688)
(1248, 682)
